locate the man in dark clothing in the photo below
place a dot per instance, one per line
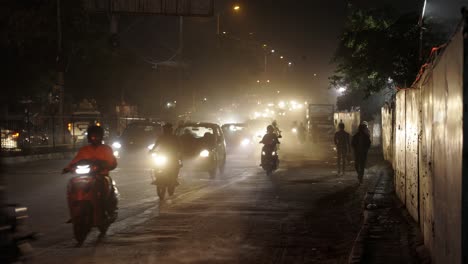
(342, 148)
(361, 143)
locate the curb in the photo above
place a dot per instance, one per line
(357, 250)
(29, 158)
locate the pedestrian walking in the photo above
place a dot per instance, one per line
(342, 148)
(361, 143)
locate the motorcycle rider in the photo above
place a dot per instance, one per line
(96, 151)
(276, 129)
(270, 140)
(171, 145)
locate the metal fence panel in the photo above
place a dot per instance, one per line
(400, 143)
(387, 132)
(426, 193)
(411, 155)
(448, 141)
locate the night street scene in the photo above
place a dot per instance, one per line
(233, 131)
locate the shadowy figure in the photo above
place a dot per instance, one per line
(342, 148)
(361, 143)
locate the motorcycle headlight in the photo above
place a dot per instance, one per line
(204, 153)
(116, 145)
(82, 169)
(150, 147)
(245, 142)
(159, 160)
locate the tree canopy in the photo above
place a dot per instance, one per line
(378, 47)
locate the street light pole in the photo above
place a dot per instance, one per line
(60, 72)
(421, 32)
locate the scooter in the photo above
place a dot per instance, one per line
(164, 172)
(85, 200)
(270, 160)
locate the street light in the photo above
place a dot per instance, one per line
(236, 9)
(272, 51)
(289, 63)
(281, 57)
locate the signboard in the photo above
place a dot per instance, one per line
(152, 7)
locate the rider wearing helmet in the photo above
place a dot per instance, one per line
(169, 143)
(270, 138)
(98, 152)
(95, 151)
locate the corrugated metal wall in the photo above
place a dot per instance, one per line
(399, 162)
(387, 132)
(427, 158)
(411, 156)
(426, 192)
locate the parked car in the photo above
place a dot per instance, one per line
(203, 147)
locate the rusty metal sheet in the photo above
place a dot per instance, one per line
(400, 145)
(447, 148)
(387, 132)
(411, 155)
(426, 194)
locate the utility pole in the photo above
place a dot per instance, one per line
(421, 32)
(60, 73)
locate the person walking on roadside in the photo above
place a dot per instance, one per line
(342, 148)
(361, 143)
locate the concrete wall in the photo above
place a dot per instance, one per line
(427, 158)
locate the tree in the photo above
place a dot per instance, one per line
(378, 48)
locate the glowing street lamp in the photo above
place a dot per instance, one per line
(289, 63)
(342, 90)
(281, 57)
(236, 8)
(272, 51)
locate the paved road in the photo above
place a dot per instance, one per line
(304, 213)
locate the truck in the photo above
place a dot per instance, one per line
(319, 120)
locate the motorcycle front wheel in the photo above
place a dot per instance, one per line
(161, 191)
(82, 221)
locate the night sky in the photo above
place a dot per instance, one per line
(304, 31)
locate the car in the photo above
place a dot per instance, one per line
(238, 136)
(137, 138)
(203, 147)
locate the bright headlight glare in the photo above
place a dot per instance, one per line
(84, 169)
(159, 159)
(263, 153)
(273, 153)
(116, 153)
(294, 130)
(204, 153)
(116, 145)
(245, 142)
(150, 147)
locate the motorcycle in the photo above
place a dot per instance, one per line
(14, 239)
(165, 172)
(85, 200)
(270, 161)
